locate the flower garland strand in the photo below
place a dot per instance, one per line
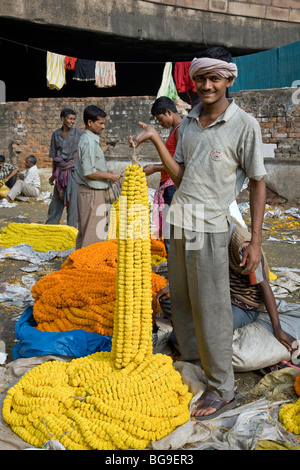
(122, 399)
(41, 237)
(289, 414)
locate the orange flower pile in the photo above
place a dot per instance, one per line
(297, 385)
(158, 247)
(82, 294)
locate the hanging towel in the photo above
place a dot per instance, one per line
(84, 70)
(56, 73)
(168, 87)
(182, 77)
(105, 74)
(70, 62)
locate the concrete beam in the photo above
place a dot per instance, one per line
(144, 22)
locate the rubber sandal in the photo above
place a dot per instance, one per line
(211, 400)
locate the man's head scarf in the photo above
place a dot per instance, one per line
(205, 65)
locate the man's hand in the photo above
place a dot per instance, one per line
(149, 169)
(163, 294)
(147, 133)
(287, 340)
(114, 175)
(51, 180)
(251, 258)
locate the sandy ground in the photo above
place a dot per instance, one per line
(279, 254)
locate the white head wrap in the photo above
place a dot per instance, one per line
(206, 64)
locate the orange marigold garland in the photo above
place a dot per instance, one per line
(297, 385)
(82, 294)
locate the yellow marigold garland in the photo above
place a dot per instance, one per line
(289, 416)
(41, 237)
(121, 399)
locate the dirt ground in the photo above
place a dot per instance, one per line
(279, 254)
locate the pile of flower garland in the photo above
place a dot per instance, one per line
(289, 414)
(82, 294)
(41, 237)
(118, 400)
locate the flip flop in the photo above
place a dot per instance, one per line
(211, 400)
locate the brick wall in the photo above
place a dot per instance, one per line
(27, 126)
(287, 10)
(278, 113)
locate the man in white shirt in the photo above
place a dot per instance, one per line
(30, 185)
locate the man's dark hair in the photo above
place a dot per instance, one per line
(2, 158)
(32, 159)
(66, 112)
(93, 113)
(161, 105)
(216, 53)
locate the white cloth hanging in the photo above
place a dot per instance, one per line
(56, 73)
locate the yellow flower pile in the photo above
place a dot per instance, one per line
(118, 400)
(40, 237)
(289, 414)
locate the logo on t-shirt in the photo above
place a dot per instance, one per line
(216, 155)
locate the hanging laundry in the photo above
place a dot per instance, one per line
(105, 74)
(182, 78)
(84, 70)
(70, 62)
(56, 73)
(168, 87)
(185, 86)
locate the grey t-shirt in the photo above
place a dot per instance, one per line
(217, 160)
(90, 159)
(64, 147)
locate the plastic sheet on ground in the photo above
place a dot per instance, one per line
(73, 343)
(17, 294)
(287, 282)
(25, 252)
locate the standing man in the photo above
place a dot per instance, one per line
(218, 146)
(92, 176)
(165, 112)
(63, 150)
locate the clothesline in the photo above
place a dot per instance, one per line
(45, 51)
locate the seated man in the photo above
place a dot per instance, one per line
(249, 294)
(8, 172)
(30, 185)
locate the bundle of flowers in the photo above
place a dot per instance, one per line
(289, 414)
(41, 237)
(121, 399)
(82, 294)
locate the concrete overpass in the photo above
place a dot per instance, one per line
(140, 36)
(149, 30)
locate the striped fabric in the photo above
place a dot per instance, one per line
(243, 289)
(56, 73)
